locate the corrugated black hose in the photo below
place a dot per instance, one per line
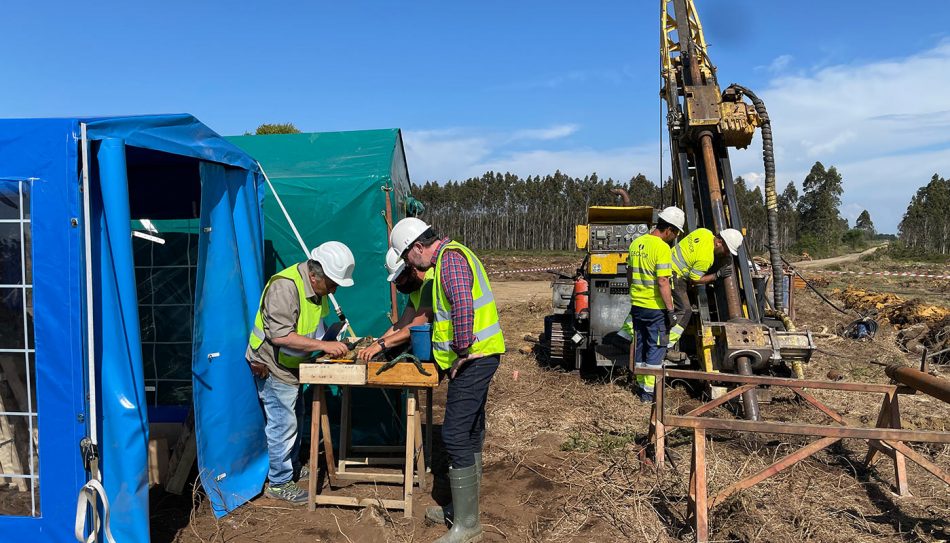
(771, 196)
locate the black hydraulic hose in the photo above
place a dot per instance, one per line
(771, 196)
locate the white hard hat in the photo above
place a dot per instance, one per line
(405, 233)
(337, 262)
(674, 216)
(394, 264)
(733, 239)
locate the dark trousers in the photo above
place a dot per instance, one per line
(463, 428)
(681, 309)
(649, 326)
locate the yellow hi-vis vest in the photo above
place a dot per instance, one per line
(309, 320)
(693, 256)
(648, 259)
(488, 337)
(415, 297)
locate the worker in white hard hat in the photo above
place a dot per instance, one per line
(649, 269)
(418, 285)
(289, 329)
(467, 344)
(693, 257)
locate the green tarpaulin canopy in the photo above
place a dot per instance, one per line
(335, 186)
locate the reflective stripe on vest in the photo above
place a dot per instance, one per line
(693, 256)
(309, 320)
(488, 339)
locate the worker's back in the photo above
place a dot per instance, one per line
(648, 258)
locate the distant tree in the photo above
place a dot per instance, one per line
(819, 217)
(504, 211)
(642, 191)
(788, 216)
(276, 128)
(855, 238)
(753, 215)
(925, 227)
(864, 224)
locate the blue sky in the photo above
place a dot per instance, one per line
(528, 86)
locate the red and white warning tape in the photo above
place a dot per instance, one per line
(886, 273)
(529, 270)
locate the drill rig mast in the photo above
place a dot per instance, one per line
(703, 123)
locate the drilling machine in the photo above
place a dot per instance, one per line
(732, 330)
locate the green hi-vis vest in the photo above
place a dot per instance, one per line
(415, 297)
(488, 337)
(693, 256)
(309, 320)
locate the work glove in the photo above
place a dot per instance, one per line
(725, 271)
(670, 319)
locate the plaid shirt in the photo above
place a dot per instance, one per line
(457, 282)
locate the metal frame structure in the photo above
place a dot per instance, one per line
(886, 437)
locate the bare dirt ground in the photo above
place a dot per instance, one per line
(561, 462)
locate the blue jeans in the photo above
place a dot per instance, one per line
(649, 327)
(282, 411)
(463, 427)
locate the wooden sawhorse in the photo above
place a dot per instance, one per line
(339, 473)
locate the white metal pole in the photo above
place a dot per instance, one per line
(90, 320)
(303, 246)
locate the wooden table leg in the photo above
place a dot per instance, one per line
(428, 447)
(316, 415)
(345, 409)
(327, 439)
(410, 450)
(418, 448)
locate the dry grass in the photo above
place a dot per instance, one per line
(562, 463)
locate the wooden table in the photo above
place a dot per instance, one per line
(339, 470)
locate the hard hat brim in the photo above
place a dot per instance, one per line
(399, 269)
(340, 281)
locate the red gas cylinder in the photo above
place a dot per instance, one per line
(581, 297)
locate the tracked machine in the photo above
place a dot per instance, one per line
(736, 327)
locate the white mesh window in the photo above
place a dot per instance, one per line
(165, 278)
(19, 447)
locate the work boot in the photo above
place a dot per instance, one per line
(443, 515)
(466, 527)
(288, 492)
(676, 357)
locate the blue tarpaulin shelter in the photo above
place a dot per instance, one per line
(60, 241)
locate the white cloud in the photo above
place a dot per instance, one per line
(455, 154)
(877, 122)
(885, 125)
(779, 64)
(552, 133)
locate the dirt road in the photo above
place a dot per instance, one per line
(823, 262)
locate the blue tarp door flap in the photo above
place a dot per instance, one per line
(119, 351)
(229, 422)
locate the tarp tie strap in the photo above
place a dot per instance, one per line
(306, 252)
(89, 495)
